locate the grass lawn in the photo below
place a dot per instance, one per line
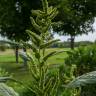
(7, 62)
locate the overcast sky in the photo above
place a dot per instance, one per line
(89, 37)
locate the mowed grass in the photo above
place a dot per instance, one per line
(7, 62)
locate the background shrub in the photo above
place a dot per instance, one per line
(85, 60)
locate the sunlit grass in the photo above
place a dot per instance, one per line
(7, 61)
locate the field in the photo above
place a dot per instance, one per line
(7, 62)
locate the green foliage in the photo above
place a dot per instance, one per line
(89, 78)
(4, 89)
(42, 83)
(74, 19)
(15, 18)
(84, 58)
(7, 91)
(3, 73)
(46, 80)
(66, 75)
(86, 84)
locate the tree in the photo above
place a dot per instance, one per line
(76, 17)
(15, 19)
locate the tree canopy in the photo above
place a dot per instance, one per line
(15, 18)
(76, 16)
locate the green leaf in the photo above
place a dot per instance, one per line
(45, 58)
(31, 58)
(34, 75)
(45, 29)
(7, 91)
(83, 80)
(34, 49)
(53, 13)
(36, 26)
(58, 52)
(55, 86)
(34, 35)
(49, 55)
(37, 12)
(4, 79)
(48, 86)
(45, 6)
(45, 45)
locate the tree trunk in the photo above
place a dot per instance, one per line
(16, 54)
(72, 42)
(25, 60)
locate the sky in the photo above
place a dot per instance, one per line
(89, 37)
